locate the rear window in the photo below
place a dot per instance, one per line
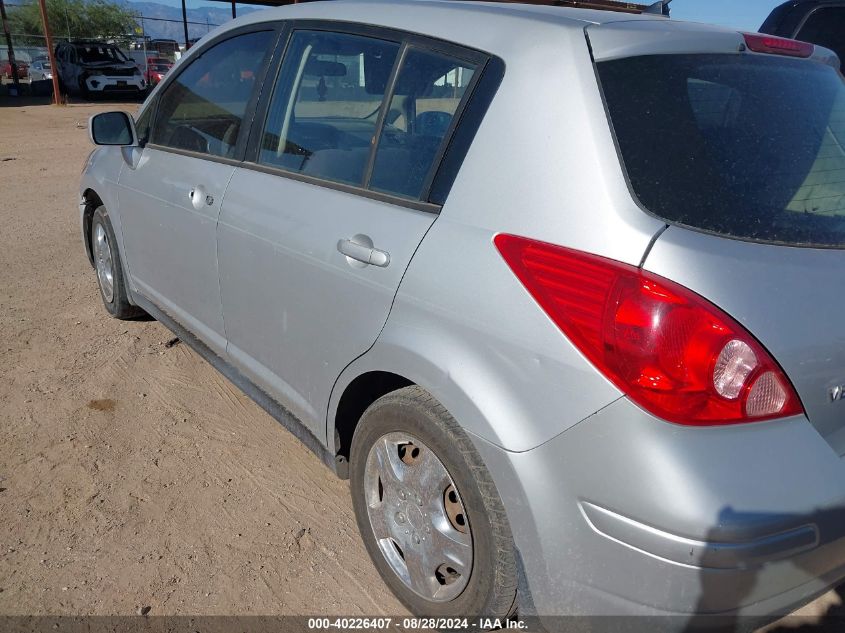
(748, 146)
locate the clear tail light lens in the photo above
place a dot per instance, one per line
(669, 350)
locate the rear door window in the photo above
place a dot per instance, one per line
(324, 113)
(749, 146)
(203, 109)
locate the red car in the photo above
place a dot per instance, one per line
(157, 68)
(6, 69)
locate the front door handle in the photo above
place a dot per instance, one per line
(200, 198)
(363, 253)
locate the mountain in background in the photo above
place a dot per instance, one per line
(163, 21)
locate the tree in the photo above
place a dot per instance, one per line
(75, 19)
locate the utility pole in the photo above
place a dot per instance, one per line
(57, 97)
(185, 24)
(12, 61)
(144, 40)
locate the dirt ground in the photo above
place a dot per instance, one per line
(132, 474)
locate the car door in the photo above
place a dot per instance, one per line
(170, 195)
(319, 225)
(70, 68)
(62, 63)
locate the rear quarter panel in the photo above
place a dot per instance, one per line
(543, 165)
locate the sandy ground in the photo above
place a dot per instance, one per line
(131, 473)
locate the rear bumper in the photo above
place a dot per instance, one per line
(624, 514)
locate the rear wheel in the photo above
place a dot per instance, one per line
(109, 270)
(428, 510)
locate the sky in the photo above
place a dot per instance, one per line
(747, 15)
(740, 14)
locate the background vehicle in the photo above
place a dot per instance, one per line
(164, 47)
(156, 69)
(6, 69)
(820, 22)
(94, 68)
(40, 70)
(578, 345)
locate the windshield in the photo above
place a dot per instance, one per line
(748, 146)
(95, 53)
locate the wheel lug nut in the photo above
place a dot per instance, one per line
(402, 495)
(428, 529)
(419, 501)
(400, 518)
(416, 539)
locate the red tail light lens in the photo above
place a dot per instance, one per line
(778, 45)
(668, 349)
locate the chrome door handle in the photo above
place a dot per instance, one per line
(363, 253)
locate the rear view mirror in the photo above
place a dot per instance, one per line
(112, 128)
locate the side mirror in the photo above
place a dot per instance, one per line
(112, 128)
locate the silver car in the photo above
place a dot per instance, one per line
(556, 289)
(40, 70)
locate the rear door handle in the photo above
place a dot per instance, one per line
(363, 253)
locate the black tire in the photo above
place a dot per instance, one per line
(118, 305)
(83, 90)
(491, 588)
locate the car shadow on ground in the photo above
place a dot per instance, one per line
(722, 592)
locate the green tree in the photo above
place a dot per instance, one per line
(77, 19)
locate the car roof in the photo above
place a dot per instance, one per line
(503, 28)
(377, 11)
(508, 29)
(92, 43)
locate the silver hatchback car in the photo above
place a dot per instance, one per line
(554, 288)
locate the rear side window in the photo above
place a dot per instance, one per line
(826, 27)
(748, 146)
(363, 111)
(203, 109)
(428, 91)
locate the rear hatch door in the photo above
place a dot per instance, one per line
(742, 153)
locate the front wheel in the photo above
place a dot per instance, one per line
(429, 512)
(107, 263)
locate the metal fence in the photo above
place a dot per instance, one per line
(31, 46)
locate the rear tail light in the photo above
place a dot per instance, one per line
(778, 45)
(669, 350)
